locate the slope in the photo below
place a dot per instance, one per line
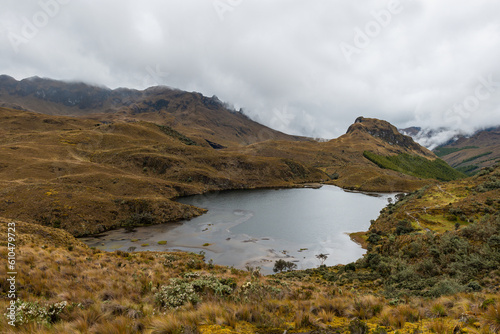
(200, 117)
(87, 176)
(65, 287)
(344, 161)
(470, 154)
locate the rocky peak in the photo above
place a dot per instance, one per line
(385, 131)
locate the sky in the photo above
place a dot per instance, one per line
(302, 67)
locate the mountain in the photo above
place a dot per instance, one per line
(467, 153)
(432, 138)
(122, 156)
(345, 160)
(412, 131)
(205, 119)
(432, 257)
(87, 176)
(470, 154)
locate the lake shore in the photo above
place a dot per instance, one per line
(359, 238)
(256, 227)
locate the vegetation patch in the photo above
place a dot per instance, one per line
(476, 157)
(415, 166)
(468, 170)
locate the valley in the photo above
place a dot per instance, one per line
(78, 160)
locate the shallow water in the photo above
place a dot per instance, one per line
(256, 227)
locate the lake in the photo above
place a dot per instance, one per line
(257, 227)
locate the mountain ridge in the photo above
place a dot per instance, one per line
(467, 153)
(127, 164)
(189, 113)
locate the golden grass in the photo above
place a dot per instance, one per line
(126, 304)
(113, 172)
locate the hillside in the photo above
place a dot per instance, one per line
(411, 281)
(466, 153)
(87, 176)
(344, 160)
(64, 176)
(199, 117)
(470, 154)
(114, 165)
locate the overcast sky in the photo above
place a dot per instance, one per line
(303, 67)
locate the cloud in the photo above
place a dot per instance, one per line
(283, 62)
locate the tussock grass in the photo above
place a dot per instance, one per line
(117, 292)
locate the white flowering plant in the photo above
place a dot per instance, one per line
(32, 311)
(188, 289)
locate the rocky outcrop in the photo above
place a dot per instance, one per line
(388, 133)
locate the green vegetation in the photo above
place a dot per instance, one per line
(442, 151)
(162, 242)
(468, 170)
(415, 166)
(182, 291)
(476, 157)
(433, 265)
(436, 255)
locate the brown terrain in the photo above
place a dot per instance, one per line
(72, 162)
(122, 156)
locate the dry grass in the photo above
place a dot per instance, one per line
(127, 304)
(492, 317)
(69, 173)
(134, 168)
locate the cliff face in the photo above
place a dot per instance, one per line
(388, 133)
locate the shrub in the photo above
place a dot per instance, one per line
(176, 294)
(404, 227)
(182, 291)
(32, 311)
(445, 287)
(350, 267)
(373, 238)
(474, 286)
(357, 326)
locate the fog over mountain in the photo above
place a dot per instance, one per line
(306, 68)
(432, 138)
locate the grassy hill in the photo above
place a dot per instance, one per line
(432, 262)
(87, 176)
(199, 117)
(343, 160)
